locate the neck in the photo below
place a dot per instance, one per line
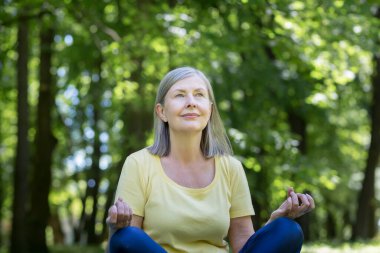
(185, 148)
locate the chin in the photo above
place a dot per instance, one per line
(190, 129)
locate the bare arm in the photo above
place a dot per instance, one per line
(241, 229)
(136, 221)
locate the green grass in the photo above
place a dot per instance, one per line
(357, 247)
(81, 249)
(69, 249)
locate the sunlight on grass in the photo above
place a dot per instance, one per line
(81, 249)
(357, 247)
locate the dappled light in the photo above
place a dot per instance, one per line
(297, 84)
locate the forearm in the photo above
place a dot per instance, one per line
(241, 229)
(238, 242)
(271, 218)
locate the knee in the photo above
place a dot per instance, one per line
(290, 229)
(124, 238)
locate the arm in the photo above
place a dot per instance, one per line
(296, 205)
(241, 229)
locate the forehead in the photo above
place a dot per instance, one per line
(189, 83)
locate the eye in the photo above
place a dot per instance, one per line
(199, 94)
(179, 95)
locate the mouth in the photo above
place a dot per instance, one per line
(190, 115)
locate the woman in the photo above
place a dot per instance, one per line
(186, 193)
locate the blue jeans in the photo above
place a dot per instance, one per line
(282, 235)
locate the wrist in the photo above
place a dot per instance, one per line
(272, 218)
(269, 221)
(112, 229)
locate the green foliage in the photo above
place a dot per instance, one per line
(267, 60)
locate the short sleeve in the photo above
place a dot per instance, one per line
(241, 203)
(131, 186)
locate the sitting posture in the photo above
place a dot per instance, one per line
(186, 192)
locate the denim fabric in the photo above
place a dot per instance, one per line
(133, 240)
(282, 235)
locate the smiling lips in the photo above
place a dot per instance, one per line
(190, 115)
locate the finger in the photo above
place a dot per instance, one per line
(291, 209)
(295, 202)
(290, 189)
(303, 198)
(130, 215)
(289, 203)
(283, 210)
(286, 205)
(121, 213)
(304, 203)
(112, 215)
(311, 201)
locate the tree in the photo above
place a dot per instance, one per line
(291, 79)
(20, 195)
(44, 144)
(365, 224)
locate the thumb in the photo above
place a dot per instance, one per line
(286, 205)
(290, 190)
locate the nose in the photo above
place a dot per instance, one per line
(191, 102)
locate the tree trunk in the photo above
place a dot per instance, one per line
(298, 126)
(44, 146)
(94, 181)
(78, 230)
(331, 226)
(18, 235)
(1, 191)
(55, 224)
(87, 222)
(365, 225)
(95, 172)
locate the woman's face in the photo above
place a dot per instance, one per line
(187, 105)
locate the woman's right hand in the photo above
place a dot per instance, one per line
(119, 215)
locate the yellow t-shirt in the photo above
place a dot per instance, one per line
(183, 219)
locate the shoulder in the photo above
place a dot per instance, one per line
(141, 155)
(232, 172)
(141, 164)
(230, 166)
(140, 160)
(230, 162)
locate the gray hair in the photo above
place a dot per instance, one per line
(214, 139)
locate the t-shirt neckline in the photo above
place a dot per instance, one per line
(170, 181)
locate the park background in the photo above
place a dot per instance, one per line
(297, 84)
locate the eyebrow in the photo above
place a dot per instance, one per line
(199, 89)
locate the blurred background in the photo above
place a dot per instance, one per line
(297, 84)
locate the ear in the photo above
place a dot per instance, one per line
(160, 112)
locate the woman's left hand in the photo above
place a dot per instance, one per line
(296, 205)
